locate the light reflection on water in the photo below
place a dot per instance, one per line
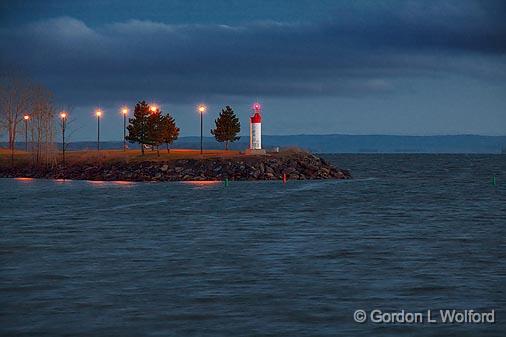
(113, 183)
(202, 183)
(24, 179)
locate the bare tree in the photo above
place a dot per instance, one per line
(2, 124)
(15, 97)
(42, 127)
(20, 97)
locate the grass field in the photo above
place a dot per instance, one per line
(21, 157)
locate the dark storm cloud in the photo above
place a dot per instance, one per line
(360, 51)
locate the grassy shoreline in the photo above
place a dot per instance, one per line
(134, 156)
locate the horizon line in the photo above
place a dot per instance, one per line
(323, 135)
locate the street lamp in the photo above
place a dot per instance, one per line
(26, 118)
(124, 111)
(201, 109)
(63, 117)
(98, 113)
(153, 109)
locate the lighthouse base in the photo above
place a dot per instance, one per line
(255, 152)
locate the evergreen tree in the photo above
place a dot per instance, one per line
(169, 130)
(146, 127)
(227, 127)
(154, 129)
(137, 125)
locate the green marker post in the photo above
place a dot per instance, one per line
(226, 182)
(493, 180)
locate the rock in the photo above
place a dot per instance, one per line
(289, 170)
(300, 166)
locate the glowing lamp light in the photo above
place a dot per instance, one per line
(26, 117)
(124, 111)
(202, 108)
(63, 115)
(257, 106)
(98, 113)
(153, 108)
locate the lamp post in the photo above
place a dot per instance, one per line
(63, 117)
(152, 110)
(201, 109)
(26, 118)
(124, 111)
(98, 113)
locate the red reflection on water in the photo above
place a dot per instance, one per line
(23, 179)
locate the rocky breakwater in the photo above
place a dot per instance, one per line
(297, 166)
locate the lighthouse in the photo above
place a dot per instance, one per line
(255, 130)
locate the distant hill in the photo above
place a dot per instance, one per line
(393, 144)
(343, 143)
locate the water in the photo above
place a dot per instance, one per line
(412, 232)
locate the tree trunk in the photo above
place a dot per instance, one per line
(226, 145)
(168, 149)
(158, 151)
(12, 139)
(142, 149)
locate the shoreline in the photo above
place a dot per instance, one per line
(293, 166)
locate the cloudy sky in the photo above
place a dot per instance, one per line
(318, 67)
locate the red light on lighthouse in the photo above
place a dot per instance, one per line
(256, 118)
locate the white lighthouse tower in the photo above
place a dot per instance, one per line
(255, 131)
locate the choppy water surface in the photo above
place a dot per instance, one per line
(412, 232)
